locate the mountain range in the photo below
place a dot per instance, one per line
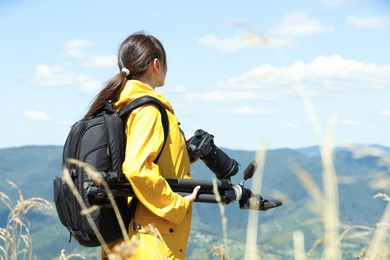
(293, 175)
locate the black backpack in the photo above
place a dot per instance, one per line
(100, 142)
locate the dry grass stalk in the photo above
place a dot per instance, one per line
(99, 180)
(332, 240)
(316, 195)
(347, 233)
(363, 151)
(309, 107)
(63, 256)
(15, 236)
(331, 201)
(311, 187)
(380, 181)
(316, 243)
(126, 248)
(299, 245)
(382, 254)
(6, 200)
(223, 219)
(378, 248)
(152, 230)
(330, 213)
(219, 250)
(383, 195)
(68, 180)
(123, 250)
(378, 244)
(251, 249)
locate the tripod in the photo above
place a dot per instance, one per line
(228, 191)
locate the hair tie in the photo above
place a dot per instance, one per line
(126, 71)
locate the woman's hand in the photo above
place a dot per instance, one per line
(191, 198)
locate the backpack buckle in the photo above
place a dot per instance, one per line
(73, 173)
(109, 107)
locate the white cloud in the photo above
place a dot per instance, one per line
(59, 76)
(352, 122)
(90, 86)
(363, 22)
(385, 112)
(53, 76)
(101, 61)
(291, 126)
(75, 49)
(320, 76)
(323, 73)
(247, 40)
(226, 96)
(296, 24)
(77, 44)
(299, 24)
(338, 2)
(36, 115)
(247, 111)
(74, 53)
(178, 89)
(66, 74)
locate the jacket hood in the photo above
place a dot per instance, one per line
(135, 89)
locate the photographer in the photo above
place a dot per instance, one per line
(143, 67)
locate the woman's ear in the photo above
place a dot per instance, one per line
(156, 65)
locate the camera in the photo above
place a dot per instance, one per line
(201, 146)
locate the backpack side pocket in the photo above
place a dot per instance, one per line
(62, 203)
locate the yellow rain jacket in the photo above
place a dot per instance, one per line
(158, 205)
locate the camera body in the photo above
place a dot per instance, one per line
(201, 146)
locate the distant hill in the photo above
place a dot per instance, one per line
(32, 169)
(315, 150)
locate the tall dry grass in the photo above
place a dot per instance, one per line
(379, 246)
(15, 236)
(251, 249)
(17, 244)
(126, 248)
(325, 204)
(326, 201)
(378, 236)
(221, 250)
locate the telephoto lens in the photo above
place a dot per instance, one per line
(202, 146)
(220, 163)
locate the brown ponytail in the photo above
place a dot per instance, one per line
(135, 54)
(111, 91)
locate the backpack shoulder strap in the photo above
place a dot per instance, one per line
(148, 100)
(164, 118)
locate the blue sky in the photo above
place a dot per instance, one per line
(252, 73)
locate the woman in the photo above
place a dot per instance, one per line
(143, 67)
